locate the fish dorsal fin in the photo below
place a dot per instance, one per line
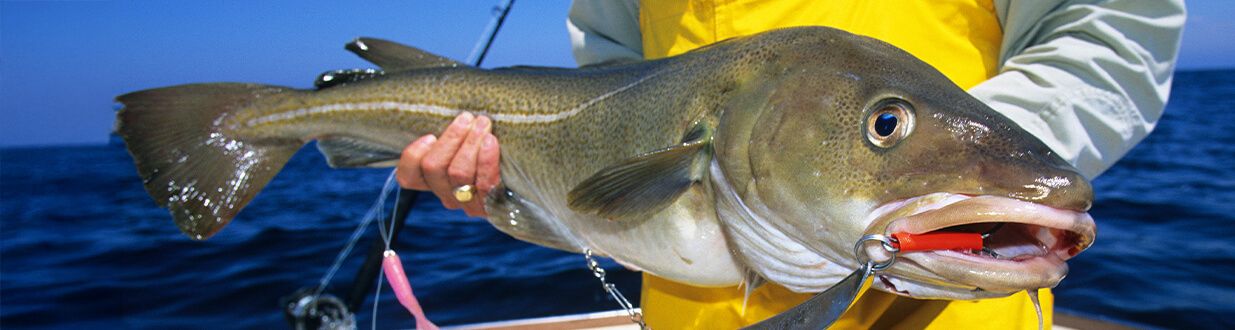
(395, 57)
(533, 68)
(390, 56)
(345, 152)
(609, 63)
(342, 77)
(645, 184)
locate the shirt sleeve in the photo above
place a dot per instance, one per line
(1088, 78)
(605, 31)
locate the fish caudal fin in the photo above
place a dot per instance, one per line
(187, 163)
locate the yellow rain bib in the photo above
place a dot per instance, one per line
(960, 38)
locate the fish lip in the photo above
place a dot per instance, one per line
(1072, 231)
(957, 209)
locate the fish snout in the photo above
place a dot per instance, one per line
(1061, 188)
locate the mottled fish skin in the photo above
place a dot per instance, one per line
(557, 128)
(790, 188)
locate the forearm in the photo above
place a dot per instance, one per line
(1088, 78)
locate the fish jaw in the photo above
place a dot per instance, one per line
(757, 238)
(1030, 249)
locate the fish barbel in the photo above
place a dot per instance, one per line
(761, 157)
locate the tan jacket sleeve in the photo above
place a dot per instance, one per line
(1088, 78)
(603, 31)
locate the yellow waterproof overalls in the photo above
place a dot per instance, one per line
(961, 38)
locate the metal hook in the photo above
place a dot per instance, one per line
(987, 234)
(888, 244)
(992, 231)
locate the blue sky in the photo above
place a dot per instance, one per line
(63, 62)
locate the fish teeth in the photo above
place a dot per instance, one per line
(1046, 237)
(1019, 250)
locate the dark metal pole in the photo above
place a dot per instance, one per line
(482, 46)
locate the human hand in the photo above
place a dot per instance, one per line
(466, 154)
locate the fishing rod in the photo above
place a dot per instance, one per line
(307, 308)
(478, 52)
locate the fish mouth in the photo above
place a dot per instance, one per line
(1025, 245)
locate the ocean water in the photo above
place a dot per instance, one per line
(82, 245)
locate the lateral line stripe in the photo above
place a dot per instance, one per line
(435, 110)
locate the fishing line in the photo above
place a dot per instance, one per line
(373, 213)
(386, 235)
(377, 298)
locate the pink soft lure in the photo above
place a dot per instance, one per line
(403, 290)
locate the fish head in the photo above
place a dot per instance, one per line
(851, 136)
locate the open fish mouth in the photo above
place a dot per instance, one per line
(1025, 245)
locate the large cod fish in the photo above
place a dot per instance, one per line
(758, 158)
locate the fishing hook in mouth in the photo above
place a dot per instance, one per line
(992, 253)
(994, 229)
(987, 234)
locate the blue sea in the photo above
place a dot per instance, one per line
(83, 246)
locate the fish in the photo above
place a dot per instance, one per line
(762, 158)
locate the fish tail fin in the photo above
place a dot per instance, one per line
(188, 163)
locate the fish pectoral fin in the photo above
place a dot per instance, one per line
(394, 57)
(647, 183)
(344, 152)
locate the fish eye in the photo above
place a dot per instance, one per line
(891, 121)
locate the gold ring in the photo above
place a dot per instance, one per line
(464, 193)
